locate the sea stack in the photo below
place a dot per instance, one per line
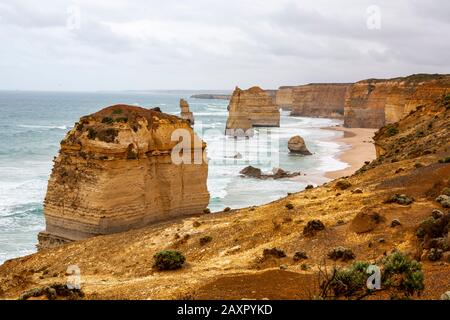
(374, 103)
(186, 114)
(251, 108)
(115, 172)
(297, 145)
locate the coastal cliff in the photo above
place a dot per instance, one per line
(284, 97)
(252, 108)
(374, 103)
(319, 100)
(114, 172)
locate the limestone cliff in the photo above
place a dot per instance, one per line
(373, 103)
(114, 172)
(252, 108)
(284, 97)
(186, 114)
(319, 100)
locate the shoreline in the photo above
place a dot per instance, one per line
(357, 148)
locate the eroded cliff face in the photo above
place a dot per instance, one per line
(374, 103)
(319, 100)
(252, 108)
(114, 172)
(284, 97)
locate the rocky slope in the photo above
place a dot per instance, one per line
(239, 260)
(373, 103)
(114, 172)
(319, 100)
(252, 108)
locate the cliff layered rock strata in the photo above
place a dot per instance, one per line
(252, 108)
(319, 100)
(374, 103)
(186, 114)
(114, 172)
(284, 97)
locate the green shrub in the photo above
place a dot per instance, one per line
(400, 276)
(444, 160)
(121, 119)
(168, 260)
(117, 111)
(107, 120)
(391, 130)
(92, 133)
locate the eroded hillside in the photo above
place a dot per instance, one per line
(413, 161)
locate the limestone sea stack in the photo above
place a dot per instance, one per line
(252, 108)
(297, 145)
(186, 114)
(114, 172)
(374, 103)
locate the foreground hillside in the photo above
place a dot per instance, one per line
(413, 160)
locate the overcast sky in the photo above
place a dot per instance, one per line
(207, 44)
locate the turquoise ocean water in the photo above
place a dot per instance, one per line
(33, 123)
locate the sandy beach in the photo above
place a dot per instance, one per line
(358, 148)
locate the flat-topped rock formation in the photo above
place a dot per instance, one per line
(319, 100)
(186, 114)
(252, 108)
(374, 103)
(114, 172)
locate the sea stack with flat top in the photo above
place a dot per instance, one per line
(115, 172)
(250, 108)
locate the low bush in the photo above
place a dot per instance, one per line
(168, 260)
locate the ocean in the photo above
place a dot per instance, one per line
(33, 123)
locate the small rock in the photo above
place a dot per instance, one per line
(309, 186)
(227, 209)
(395, 223)
(206, 211)
(381, 240)
(357, 190)
(289, 206)
(283, 267)
(343, 184)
